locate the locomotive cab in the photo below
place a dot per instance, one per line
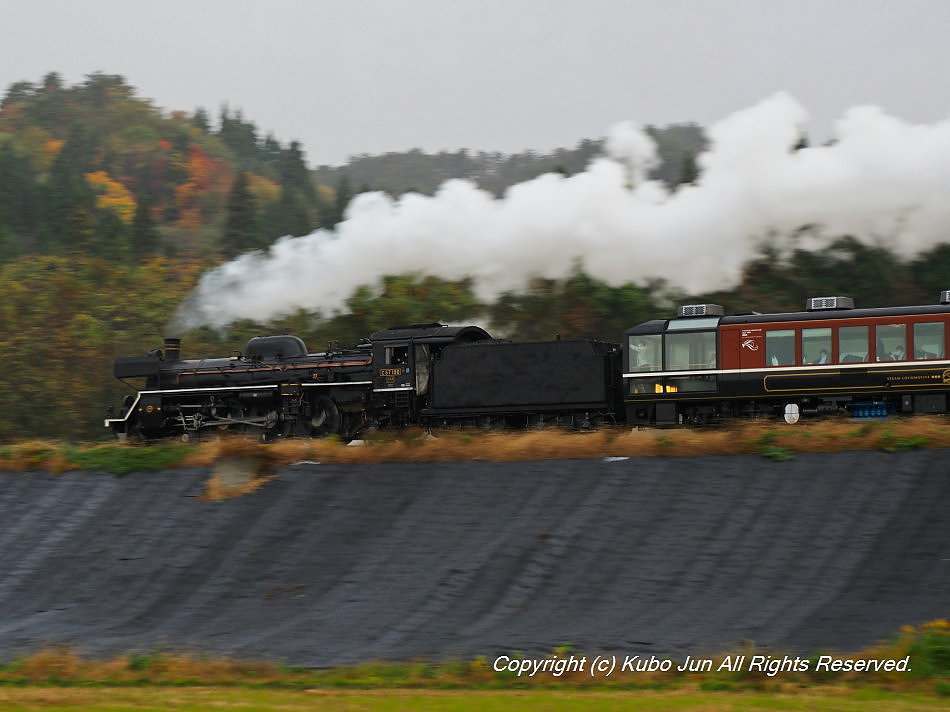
(402, 358)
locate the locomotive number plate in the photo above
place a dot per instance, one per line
(390, 372)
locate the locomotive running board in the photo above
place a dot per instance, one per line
(216, 389)
(220, 389)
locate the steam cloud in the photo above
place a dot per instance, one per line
(882, 181)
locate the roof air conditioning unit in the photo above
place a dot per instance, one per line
(700, 310)
(828, 303)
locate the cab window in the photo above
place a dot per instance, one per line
(397, 355)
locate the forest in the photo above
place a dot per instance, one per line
(111, 209)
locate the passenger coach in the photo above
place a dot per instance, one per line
(704, 366)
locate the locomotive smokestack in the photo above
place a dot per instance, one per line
(172, 349)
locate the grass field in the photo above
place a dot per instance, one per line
(59, 679)
(201, 699)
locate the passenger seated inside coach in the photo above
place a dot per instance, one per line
(639, 358)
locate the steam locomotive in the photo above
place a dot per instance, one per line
(427, 374)
(699, 367)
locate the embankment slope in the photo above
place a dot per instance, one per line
(336, 564)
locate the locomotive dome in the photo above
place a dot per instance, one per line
(263, 348)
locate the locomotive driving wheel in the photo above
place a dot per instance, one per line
(325, 418)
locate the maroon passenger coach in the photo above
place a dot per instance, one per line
(830, 358)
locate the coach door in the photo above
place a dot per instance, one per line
(687, 353)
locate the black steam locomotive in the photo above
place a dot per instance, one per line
(426, 374)
(701, 366)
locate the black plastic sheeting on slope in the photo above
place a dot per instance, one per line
(335, 564)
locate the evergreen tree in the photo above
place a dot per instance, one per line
(239, 135)
(9, 249)
(18, 91)
(286, 216)
(271, 151)
(294, 173)
(201, 121)
(17, 195)
(103, 91)
(66, 192)
(296, 215)
(332, 213)
(79, 235)
(241, 229)
(110, 237)
(52, 82)
(145, 238)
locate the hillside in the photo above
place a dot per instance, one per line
(415, 170)
(92, 168)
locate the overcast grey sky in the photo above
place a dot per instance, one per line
(370, 76)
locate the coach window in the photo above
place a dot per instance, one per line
(928, 340)
(853, 344)
(891, 340)
(816, 345)
(646, 352)
(780, 347)
(692, 351)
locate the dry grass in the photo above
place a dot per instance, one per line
(34, 455)
(767, 438)
(63, 665)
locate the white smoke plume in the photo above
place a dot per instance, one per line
(881, 180)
